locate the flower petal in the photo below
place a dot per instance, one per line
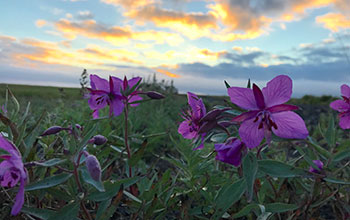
(117, 84)
(250, 133)
(98, 83)
(133, 81)
(116, 106)
(282, 108)
(8, 146)
(340, 105)
(259, 97)
(344, 121)
(98, 101)
(278, 90)
(19, 200)
(345, 90)
(289, 125)
(243, 97)
(197, 106)
(230, 153)
(186, 130)
(245, 116)
(134, 98)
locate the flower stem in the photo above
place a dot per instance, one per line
(76, 176)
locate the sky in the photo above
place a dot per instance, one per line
(196, 43)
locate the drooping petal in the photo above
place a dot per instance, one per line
(243, 97)
(186, 130)
(340, 106)
(95, 114)
(259, 97)
(8, 146)
(289, 125)
(117, 85)
(19, 200)
(344, 121)
(116, 106)
(250, 133)
(230, 153)
(345, 90)
(134, 98)
(278, 90)
(98, 83)
(5, 166)
(11, 177)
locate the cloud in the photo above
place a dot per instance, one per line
(334, 21)
(192, 25)
(40, 23)
(115, 34)
(167, 73)
(85, 15)
(128, 3)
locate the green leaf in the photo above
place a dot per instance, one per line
(51, 162)
(226, 84)
(218, 138)
(279, 169)
(67, 212)
(341, 155)
(14, 100)
(331, 180)
(319, 149)
(246, 210)
(227, 196)
(280, 207)
(43, 214)
(49, 182)
(331, 132)
(111, 189)
(250, 168)
(248, 84)
(87, 178)
(307, 158)
(102, 208)
(87, 137)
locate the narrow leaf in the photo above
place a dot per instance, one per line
(48, 182)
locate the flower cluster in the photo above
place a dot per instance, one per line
(267, 113)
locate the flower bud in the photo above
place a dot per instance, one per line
(98, 140)
(319, 164)
(93, 167)
(155, 95)
(52, 130)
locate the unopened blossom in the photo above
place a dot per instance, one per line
(319, 164)
(53, 130)
(12, 171)
(230, 152)
(267, 112)
(93, 167)
(189, 128)
(343, 107)
(98, 140)
(103, 93)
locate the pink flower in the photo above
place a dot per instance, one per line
(12, 171)
(189, 128)
(267, 113)
(103, 93)
(230, 152)
(115, 93)
(343, 106)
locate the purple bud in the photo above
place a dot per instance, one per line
(52, 130)
(98, 140)
(94, 168)
(155, 95)
(319, 164)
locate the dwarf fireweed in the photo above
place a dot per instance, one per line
(230, 152)
(343, 107)
(12, 171)
(267, 112)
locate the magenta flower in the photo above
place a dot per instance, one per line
(189, 128)
(319, 164)
(103, 93)
(343, 106)
(267, 113)
(230, 152)
(130, 94)
(12, 171)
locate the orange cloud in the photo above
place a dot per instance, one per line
(167, 73)
(40, 23)
(334, 22)
(192, 25)
(115, 35)
(209, 53)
